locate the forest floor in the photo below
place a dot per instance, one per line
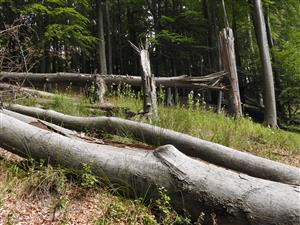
(34, 193)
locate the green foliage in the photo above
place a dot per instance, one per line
(88, 179)
(67, 24)
(289, 58)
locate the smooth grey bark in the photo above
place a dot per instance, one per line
(192, 184)
(277, 82)
(47, 77)
(269, 90)
(210, 81)
(101, 48)
(51, 127)
(195, 147)
(229, 63)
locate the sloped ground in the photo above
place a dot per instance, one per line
(35, 194)
(39, 194)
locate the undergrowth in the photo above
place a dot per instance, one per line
(34, 180)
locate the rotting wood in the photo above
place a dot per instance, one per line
(192, 146)
(192, 184)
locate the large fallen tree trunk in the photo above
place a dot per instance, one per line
(195, 147)
(209, 81)
(193, 185)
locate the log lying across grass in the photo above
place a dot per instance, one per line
(192, 184)
(17, 89)
(209, 81)
(213, 153)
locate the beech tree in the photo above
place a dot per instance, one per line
(269, 90)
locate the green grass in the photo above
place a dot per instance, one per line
(62, 103)
(242, 134)
(39, 179)
(31, 182)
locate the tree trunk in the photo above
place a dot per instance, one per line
(280, 108)
(210, 81)
(149, 87)
(195, 147)
(269, 91)
(101, 50)
(109, 45)
(229, 62)
(234, 198)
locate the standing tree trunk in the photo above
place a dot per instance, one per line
(109, 45)
(269, 91)
(280, 108)
(229, 62)
(149, 87)
(101, 53)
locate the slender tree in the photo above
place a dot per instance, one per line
(269, 91)
(101, 48)
(109, 44)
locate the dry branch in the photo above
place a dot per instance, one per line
(194, 185)
(195, 147)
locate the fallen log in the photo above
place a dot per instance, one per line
(209, 81)
(17, 89)
(153, 135)
(51, 127)
(193, 185)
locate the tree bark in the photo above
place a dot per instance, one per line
(149, 87)
(277, 82)
(229, 62)
(109, 45)
(148, 82)
(195, 147)
(269, 91)
(211, 81)
(192, 185)
(101, 49)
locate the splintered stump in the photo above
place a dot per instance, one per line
(148, 82)
(192, 184)
(229, 62)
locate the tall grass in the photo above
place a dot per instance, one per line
(242, 134)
